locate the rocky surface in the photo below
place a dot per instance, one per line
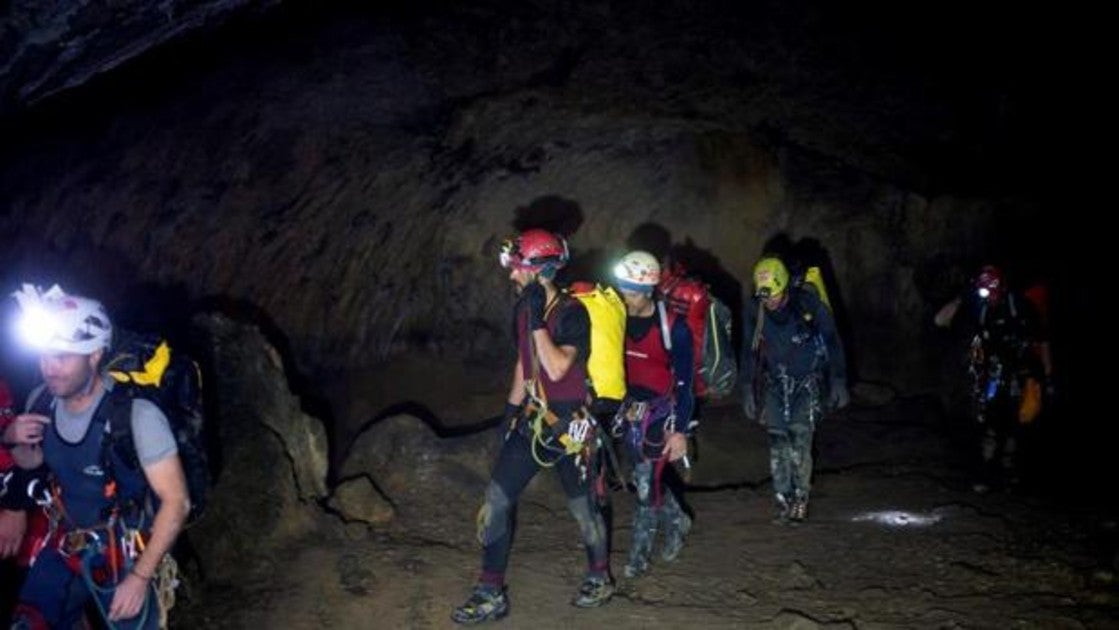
(49, 47)
(895, 538)
(270, 458)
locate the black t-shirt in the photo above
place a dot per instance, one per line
(572, 327)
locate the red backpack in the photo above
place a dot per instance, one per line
(709, 320)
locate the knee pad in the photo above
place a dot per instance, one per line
(587, 518)
(493, 516)
(643, 481)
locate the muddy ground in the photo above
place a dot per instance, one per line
(896, 538)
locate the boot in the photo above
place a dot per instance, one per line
(594, 592)
(486, 603)
(676, 530)
(798, 511)
(782, 511)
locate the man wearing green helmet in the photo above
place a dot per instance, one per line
(793, 364)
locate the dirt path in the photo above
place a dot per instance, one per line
(950, 558)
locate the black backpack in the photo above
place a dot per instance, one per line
(145, 366)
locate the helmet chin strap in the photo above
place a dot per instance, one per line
(90, 384)
(548, 272)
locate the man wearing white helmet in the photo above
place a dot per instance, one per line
(655, 416)
(113, 520)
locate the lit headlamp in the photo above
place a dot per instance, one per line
(509, 255)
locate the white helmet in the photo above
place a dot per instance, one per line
(638, 271)
(53, 321)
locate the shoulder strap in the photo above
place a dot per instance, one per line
(666, 327)
(756, 340)
(801, 311)
(116, 412)
(561, 300)
(41, 404)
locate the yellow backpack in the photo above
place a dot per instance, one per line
(814, 281)
(606, 364)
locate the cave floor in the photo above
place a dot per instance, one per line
(895, 538)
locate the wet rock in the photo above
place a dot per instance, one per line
(358, 500)
(745, 598)
(420, 473)
(353, 576)
(272, 459)
(797, 577)
(794, 620)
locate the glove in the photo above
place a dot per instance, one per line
(838, 397)
(534, 298)
(750, 406)
(511, 411)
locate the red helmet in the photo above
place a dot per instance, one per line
(534, 250)
(990, 283)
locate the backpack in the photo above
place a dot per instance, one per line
(144, 366)
(711, 324)
(606, 364)
(812, 280)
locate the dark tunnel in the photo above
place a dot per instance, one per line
(309, 203)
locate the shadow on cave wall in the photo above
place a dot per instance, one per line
(697, 262)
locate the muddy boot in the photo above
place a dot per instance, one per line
(782, 511)
(677, 524)
(486, 603)
(798, 511)
(594, 592)
(638, 562)
(644, 531)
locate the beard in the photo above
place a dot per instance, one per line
(69, 386)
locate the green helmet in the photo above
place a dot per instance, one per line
(771, 278)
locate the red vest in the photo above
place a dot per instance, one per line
(648, 363)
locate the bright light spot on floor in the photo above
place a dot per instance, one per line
(898, 518)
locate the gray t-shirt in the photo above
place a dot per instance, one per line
(151, 432)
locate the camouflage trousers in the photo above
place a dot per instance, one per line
(648, 517)
(792, 409)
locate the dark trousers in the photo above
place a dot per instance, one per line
(515, 468)
(55, 595)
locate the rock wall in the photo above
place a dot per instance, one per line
(349, 177)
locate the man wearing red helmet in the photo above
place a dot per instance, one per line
(549, 426)
(1008, 350)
